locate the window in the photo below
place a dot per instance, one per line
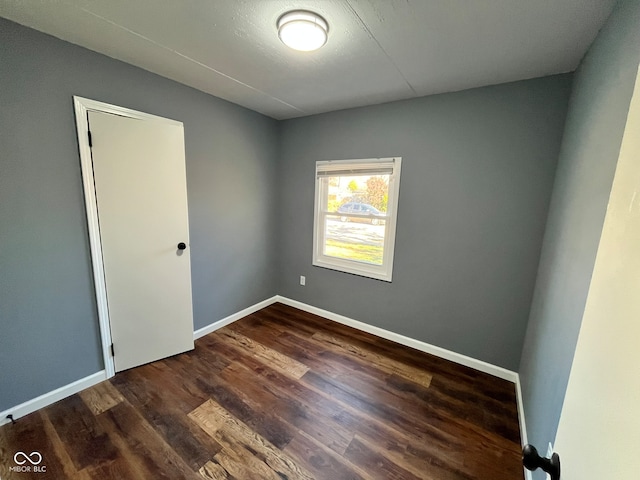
(354, 227)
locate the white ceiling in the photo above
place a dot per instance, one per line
(378, 50)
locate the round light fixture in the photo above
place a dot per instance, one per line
(302, 30)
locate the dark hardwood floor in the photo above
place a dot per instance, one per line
(280, 394)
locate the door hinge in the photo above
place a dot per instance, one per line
(112, 352)
(90, 140)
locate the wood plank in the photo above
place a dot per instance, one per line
(323, 463)
(315, 404)
(286, 318)
(428, 423)
(432, 444)
(249, 409)
(231, 433)
(165, 409)
(353, 420)
(241, 462)
(370, 406)
(418, 459)
(146, 453)
(266, 355)
(292, 318)
(332, 361)
(281, 394)
(30, 435)
(378, 466)
(382, 362)
(368, 369)
(479, 410)
(86, 441)
(382, 436)
(214, 471)
(101, 397)
(261, 420)
(60, 451)
(317, 423)
(115, 468)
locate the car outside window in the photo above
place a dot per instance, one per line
(356, 206)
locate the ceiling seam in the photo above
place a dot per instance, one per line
(362, 22)
(191, 59)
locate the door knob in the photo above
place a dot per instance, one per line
(182, 246)
(532, 461)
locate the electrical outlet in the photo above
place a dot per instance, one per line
(303, 280)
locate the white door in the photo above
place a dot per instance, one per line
(599, 431)
(140, 187)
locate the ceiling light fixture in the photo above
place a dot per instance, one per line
(303, 30)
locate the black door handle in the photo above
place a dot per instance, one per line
(182, 246)
(532, 461)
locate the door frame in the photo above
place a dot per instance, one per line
(82, 107)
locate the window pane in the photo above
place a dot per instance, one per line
(357, 194)
(357, 231)
(355, 240)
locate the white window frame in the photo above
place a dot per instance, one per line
(371, 166)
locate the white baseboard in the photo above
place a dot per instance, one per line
(65, 391)
(380, 332)
(52, 397)
(528, 475)
(201, 332)
(75, 387)
(407, 341)
(523, 427)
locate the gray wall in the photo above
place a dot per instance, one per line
(478, 168)
(598, 108)
(477, 175)
(48, 323)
